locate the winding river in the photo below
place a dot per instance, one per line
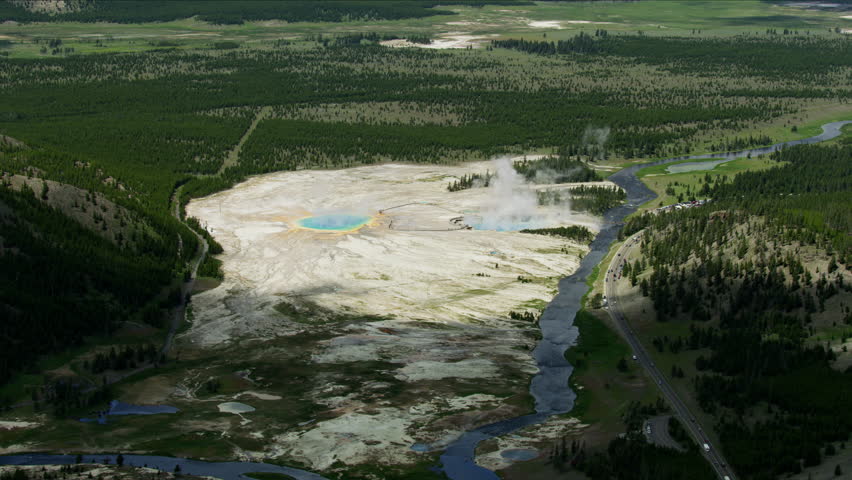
(549, 386)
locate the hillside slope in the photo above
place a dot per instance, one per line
(750, 296)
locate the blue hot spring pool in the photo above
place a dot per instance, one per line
(339, 222)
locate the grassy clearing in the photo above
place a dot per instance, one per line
(808, 121)
(845, 137)
(603, 391)
(662, 17)
(708, 16)
(153, 433)
(201, 445)
(810, 118)
(19, 387)
(658, 180)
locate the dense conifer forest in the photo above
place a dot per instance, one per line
(746, 52)
(134, 126)
(100, 153)
(559, 169)
(236, 11)
(633, 458)
(574, 232)
(92, 284)
(757, 273)
(586, 198)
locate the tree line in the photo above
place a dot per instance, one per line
(584, 198)
(556, 169)
(61, 282)
(577, 233)
(755, 54)
(128, 357)
(732, 270)
(240, 11)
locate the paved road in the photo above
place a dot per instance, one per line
(179, 312)
(689, 421)
(656, 430)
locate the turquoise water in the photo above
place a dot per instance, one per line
(334, 222)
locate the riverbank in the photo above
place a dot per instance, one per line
(573, 288)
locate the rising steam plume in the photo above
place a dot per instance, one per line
(513, 204)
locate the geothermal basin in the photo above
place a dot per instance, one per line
(416, 259)
(338, 222)
(410, 292)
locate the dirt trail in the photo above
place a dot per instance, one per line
(179, 312)
(234, 155)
